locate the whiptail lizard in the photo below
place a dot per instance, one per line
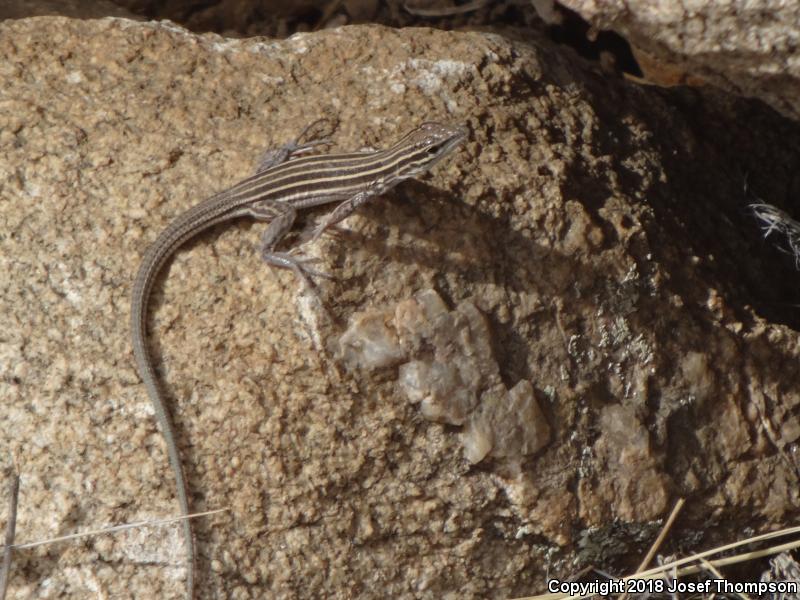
(283, 185)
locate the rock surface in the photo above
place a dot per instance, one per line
(599, 228)
(445, 364)
(749, 47)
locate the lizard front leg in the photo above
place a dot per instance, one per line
(345, 209)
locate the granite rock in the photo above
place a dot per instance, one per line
(600, 229)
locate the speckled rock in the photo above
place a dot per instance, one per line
(445, 364)
(748, 47)
(598, 228)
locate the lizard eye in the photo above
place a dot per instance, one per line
(433, 150)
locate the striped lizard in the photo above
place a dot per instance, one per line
(285, 183)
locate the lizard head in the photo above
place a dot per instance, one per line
(420, 149)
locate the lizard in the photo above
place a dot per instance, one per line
(288, 180)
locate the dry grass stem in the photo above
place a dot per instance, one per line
(659, 540)
(680, 565)
(116, 528)
(11, 527)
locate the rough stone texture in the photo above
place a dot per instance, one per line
(783, 568)
(598, 226)
(445, 364)
(749, 47)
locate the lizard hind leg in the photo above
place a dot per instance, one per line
(317, 133)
